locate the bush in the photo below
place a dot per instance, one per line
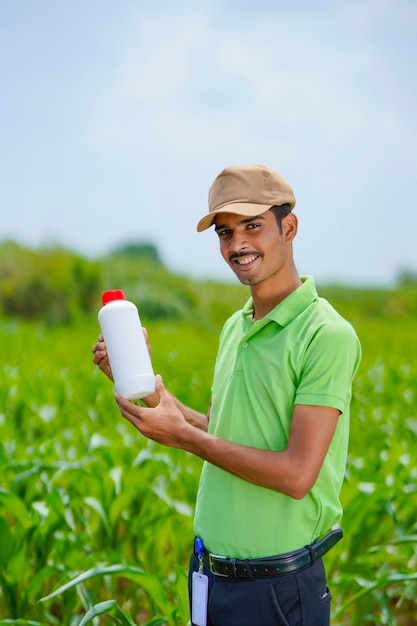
(55, 286)
(135, 250)
(51, 284)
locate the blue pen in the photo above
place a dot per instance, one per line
(199, 548)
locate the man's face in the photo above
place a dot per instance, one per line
(254, 247)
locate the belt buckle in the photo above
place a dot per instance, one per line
(231, 562)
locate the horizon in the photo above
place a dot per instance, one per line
(403, 277)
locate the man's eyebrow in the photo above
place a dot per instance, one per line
(247, 220)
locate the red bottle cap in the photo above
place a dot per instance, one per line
(113, 294)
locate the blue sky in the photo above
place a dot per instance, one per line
(115, 117)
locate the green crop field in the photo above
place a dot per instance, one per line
(96, 522)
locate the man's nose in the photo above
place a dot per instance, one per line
(238, 242)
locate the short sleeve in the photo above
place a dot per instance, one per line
(331, 361)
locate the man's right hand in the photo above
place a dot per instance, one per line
(101, 358)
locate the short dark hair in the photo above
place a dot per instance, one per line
(280, 212)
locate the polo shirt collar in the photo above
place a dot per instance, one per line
(287, 310)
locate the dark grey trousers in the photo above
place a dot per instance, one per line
(300, 599)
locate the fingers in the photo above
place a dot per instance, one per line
(101, 358)
(99, 351)
(133, 410)
(128, 409)
(124, 404)
(162, 392)
(145, 334)
(165, 423)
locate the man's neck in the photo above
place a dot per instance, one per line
(267, 295)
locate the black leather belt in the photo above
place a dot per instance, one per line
(270, 567)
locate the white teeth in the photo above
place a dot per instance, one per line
(245, 260)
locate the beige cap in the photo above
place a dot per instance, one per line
(246, 190)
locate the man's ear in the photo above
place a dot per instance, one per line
(289, 227)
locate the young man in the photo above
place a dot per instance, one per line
(275, 440)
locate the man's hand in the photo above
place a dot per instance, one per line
(292, 471)
(164, 423)
(101, 358)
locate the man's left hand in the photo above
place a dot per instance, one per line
(164, 423)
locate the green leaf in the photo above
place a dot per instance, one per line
(6, 542)
(38, 579)
(368, 586)
(110, 607)
(18, 566)
(19, 622)
(182, 610)
(15, 506)
(149, 583)
(97, 506)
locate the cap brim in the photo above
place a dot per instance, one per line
(238, 208)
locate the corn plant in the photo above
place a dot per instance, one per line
(96, 521)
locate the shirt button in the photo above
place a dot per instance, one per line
(245, 344)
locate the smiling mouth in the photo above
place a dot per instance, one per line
(244, 259)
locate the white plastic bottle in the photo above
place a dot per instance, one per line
(126, 346)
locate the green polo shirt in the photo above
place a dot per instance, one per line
(302, 352)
